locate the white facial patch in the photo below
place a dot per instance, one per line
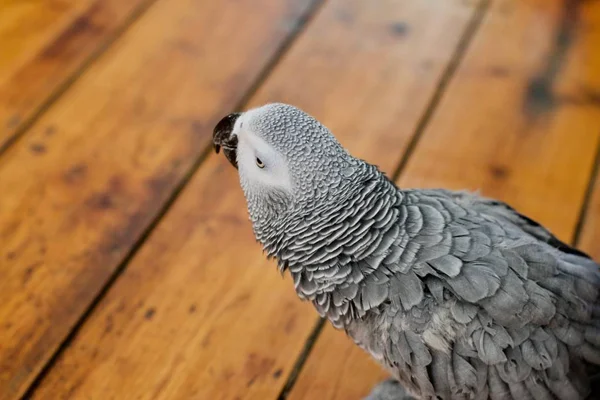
(260, 165)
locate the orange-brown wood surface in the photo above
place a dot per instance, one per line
(79, 189)
(128, 268)
(589, 240)
(43, 44)
(521, 120)
(589, 236)
(199, 314)
(509, 126)
(337, 369)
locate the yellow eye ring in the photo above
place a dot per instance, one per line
(259, 163)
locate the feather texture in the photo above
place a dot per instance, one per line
(463, 300)
(461, 297)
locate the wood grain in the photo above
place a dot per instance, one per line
(81, 187)
(370, 70)
(337, 369)
(44, 44)
(199, 314)
(589, 238)
(520, 121)
(507, 125)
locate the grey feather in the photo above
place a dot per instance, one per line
(433, 220)
(488, 350)
(518, 390)
(420, 355)
(519, 334)
(406, 289)
(461, 245)
(537, 389)
(541, 263)
(373, 294)
(561, 365)
(463, 312)
(440, 374)
(564, 390)
(465, 347)
(433, 247)
(516, 263)
(567, 331)
(436, 288)
(536, 355)
(448, 264)
(464, 374)
(509, 301)
(475, 282)
(540, 308)
(423, 381)
(481, 372)
(499, 390)
(457, 295)
(414, 223)
(515, 369)
(592, 335)
(480, 246)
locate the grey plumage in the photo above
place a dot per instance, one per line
(458, 296)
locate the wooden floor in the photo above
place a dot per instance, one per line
(128, 269)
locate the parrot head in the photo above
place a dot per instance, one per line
(289, 164)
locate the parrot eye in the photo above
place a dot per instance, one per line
(259, 163)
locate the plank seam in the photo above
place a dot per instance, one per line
(301, 360)
(449, 71)
(303, 20)
(68, 82)
(587, 199)
(439, 91)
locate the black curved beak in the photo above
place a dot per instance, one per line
(222, 137)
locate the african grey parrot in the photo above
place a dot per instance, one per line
(458, 296)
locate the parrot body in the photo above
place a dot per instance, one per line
(458, 296)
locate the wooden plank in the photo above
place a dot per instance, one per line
(45, 44)
(337, 369)
(506, 125)
(81, 187)
(199, 313)
(533, 140)
(589, 237)
(27, 26)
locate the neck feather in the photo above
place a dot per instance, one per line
(329, 246)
